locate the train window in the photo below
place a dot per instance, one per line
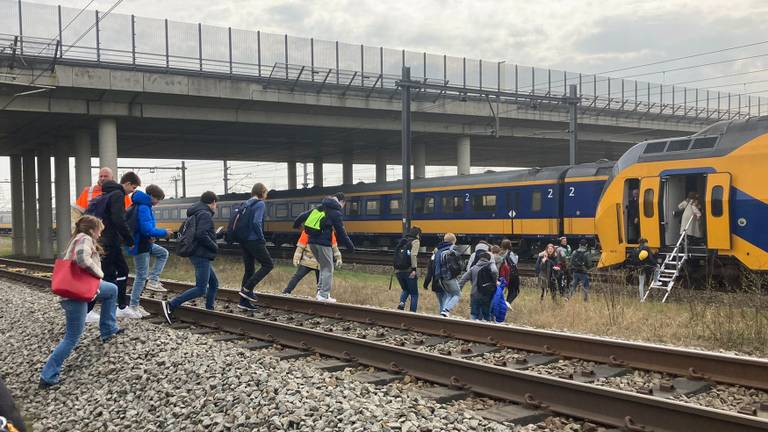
(394, 206)
(281, 210)
(678, 145)
(648, 203)
(716, 201)
(424, 205)
(352, 208)
(226, 211)
(704, 143)
(372, 207)
(452, 204)
(484, 203)
(536, 201)
(655, 147)
(297, 209)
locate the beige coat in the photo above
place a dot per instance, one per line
(695, 229)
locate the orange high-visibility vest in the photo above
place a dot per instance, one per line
(91, 192)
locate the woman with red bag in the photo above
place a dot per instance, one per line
(84, 251)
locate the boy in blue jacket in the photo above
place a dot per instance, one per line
(141, 221)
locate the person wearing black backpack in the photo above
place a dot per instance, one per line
(197, 241)
(254, 246)
(580, 265)
(110, 208)
(406, 260)
(483, 275)
(447, 271)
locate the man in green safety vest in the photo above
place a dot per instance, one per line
(320, 223)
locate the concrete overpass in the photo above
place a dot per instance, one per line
(301, 105)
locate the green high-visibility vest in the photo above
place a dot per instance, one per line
(315, 219)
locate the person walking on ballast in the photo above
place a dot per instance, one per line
(447, 271)
(406, 263)
(254, 247)
(305, 261)
(141, 221)
(483, 276)
(320, 223)
(202, 251)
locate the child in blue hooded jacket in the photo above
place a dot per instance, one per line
(141, 221)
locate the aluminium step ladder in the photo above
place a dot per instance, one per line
(665, 276)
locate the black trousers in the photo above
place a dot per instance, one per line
(254, 250)
(116, 271)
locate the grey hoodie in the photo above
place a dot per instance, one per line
(478, 247)
(472, 275)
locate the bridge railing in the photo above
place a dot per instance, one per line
(93, 36)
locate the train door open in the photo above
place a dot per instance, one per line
(649, 210)
(718, 210)
(677, 189)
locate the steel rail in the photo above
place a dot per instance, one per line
(606, 406)
(723, 368)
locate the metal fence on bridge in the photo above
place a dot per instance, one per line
(93, 36)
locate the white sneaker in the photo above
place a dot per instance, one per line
(132, 312)
(92, 317)
(143, 311)
(122, 313)
(156, 286)
(325, 299)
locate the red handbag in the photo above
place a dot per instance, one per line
(72, 282)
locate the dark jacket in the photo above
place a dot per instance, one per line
(257, 223)
(471, 276)
(115, 228)
(580, 255)
(647, 264)
(205, 235)
(433, 267)
(145, 227)
(333, 221)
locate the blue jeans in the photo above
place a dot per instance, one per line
(206, 284)
(74, 312)
(480, 309)
(410, 287)
(141, 262)
(584, 279)
(451, 294)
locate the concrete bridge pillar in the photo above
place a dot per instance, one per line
(292, 175)
(45, 199)
(108, 144)
(347, 167)
(63, 209)
(317, 172)
(381, 166)
(17, 206)
(82, 159)
(30, 203)
(463, 155)
(419, 160)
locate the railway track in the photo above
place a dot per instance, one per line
(369, 336)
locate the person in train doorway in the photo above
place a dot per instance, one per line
(254, 247)
(110, 208)
(645, 262)
(305, 261)
(691, 222)
(448, 268)
(633, 216)
(94, 191)
(320, 223)
(483, 276)
(406, 264)
(580, 263)
(509, 272)
(482, 245)
(197, 238)
(141, 221)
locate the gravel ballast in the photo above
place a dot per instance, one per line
(157, 378)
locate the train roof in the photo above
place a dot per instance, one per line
(602, 167)
(718, 139)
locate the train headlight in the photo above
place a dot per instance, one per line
(742, 222)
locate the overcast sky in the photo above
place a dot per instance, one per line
(579, 36)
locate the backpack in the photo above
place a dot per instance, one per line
(402, 259)
(314, 222)
(579, 261)
(450, 264)
(508, 268)
(132, 218)
(185, 246)
(486, 282)
(237, 231)
(498, 304)
(98, 206)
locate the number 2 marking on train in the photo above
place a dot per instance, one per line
(572, 191)
(549, 193)
(466, 197)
